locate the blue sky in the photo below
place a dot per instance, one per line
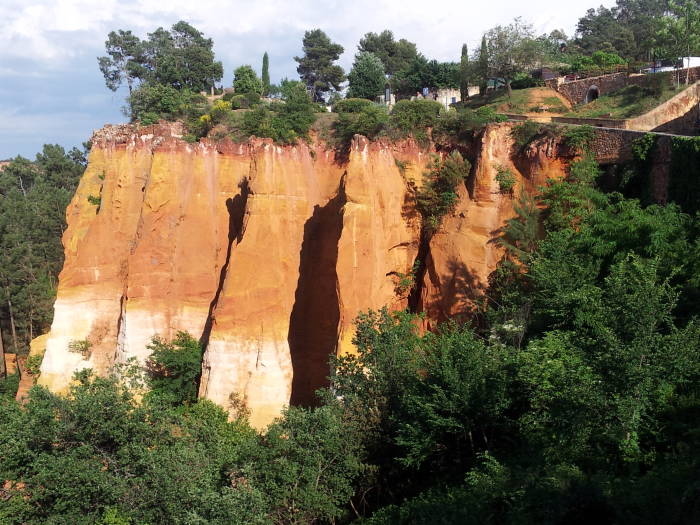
(51, 90)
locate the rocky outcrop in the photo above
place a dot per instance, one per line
(266, 253)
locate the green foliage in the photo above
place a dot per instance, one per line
(527, 132)
(684, 184)
(366, 77)
(245, 80)
(81, 347)
(464, 70)
(521, 233)
(630, 101)
(316, 68)
(94, 200)
(180, 58)
(505, 178)
(396, 55)
(352, 105)
(174, 369)
(579, 138)
(33, 199)
(414, 117)
(523, 81)
(33, 364)
(368, 121)
(265, 76)
(461, 125)
(284, 122)
(149, 103)
(8, 388)
(437, 197)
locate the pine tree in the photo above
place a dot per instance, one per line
(317, 68)
(464, 74)
(266, 75)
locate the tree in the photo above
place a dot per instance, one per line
(679, 33)
(124, 62)
(366, 77)
(245, 80)
(483, 65)
(181, 58)
(316, 68)
(511, 49)
(266, 75)
(464, 74)
(33, 199)
(600, 30)
(395, 55)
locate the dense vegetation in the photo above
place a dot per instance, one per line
(33, 199)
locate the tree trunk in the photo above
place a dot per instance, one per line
(509, 90)
(12, 325)
(3, 368)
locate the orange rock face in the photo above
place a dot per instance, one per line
(266, 253)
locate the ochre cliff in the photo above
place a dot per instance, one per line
(266, 253)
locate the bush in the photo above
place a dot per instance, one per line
(148, 104)
(174, 369)
(505, 178)
(523, 134)
(462, 123)
(524, 81)
(370, 121)
(352, 105)
(284, 122)
(414, 117)
(579, 137)
(438, 195)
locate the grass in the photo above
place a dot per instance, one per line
(498, 100)
(630, 101)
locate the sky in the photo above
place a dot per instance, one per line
(51, 90)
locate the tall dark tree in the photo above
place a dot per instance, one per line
(464, 73)
(366, 77)
(483, 65)
(266, 75)
(396, 55)
(33, 200)
(316, 68)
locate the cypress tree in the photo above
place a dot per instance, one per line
(464, 74)
(483, 65)
(266, 75)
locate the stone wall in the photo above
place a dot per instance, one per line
(677, 115)
(577, 90)
(595, 122)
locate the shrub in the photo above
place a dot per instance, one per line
(352, 105)
(462, 123)
(579, 137)
(33, 364)
(149, 103)
(438, 195)
(523, 134)
(174, 369)
(370, 121)
(284, 122)
(524, 81)
(505, 178)
(81, 347)
(414, 117)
